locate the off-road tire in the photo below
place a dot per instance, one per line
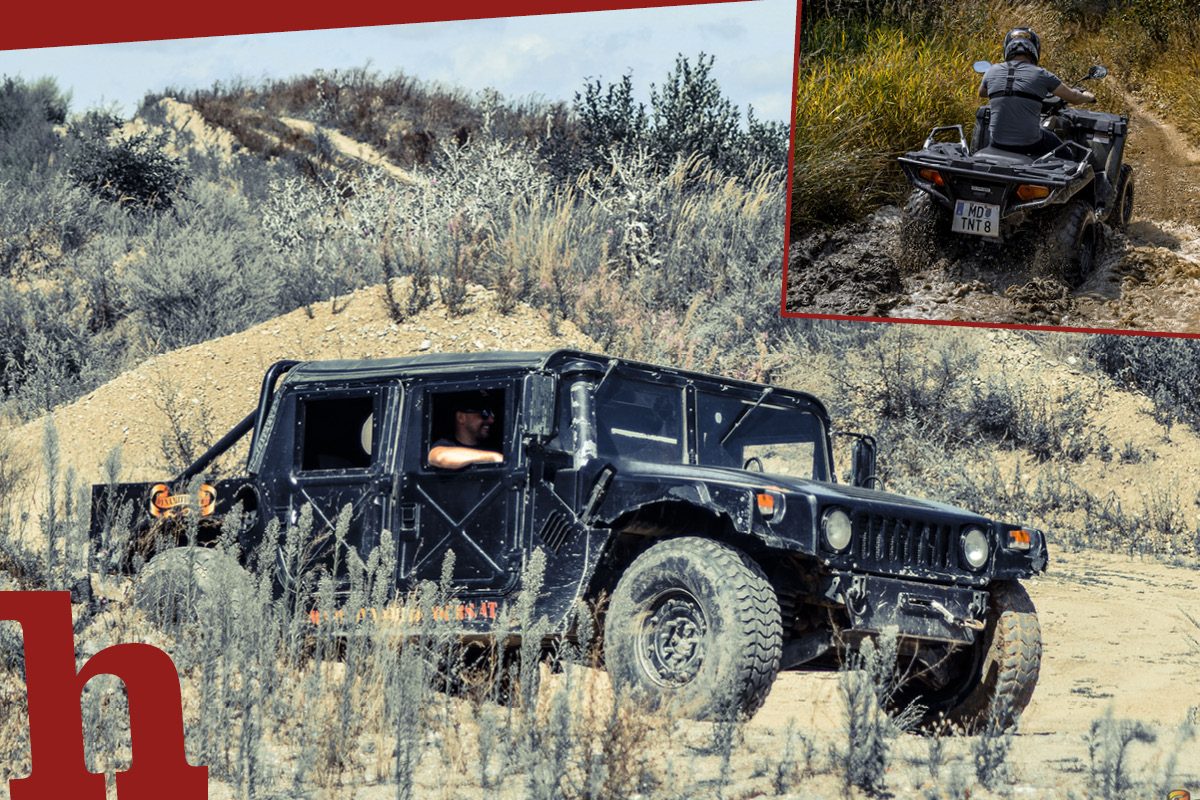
(1011, 660)
(694, 626)
(924, 232)
(175, 585)
(1074, 241)
(1123, 197)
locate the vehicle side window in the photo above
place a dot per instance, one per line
(337, 432)
(476, 418)
(641, 420)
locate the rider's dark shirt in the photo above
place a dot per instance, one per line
(1016, 117)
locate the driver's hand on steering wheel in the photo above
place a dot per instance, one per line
(1088, 97)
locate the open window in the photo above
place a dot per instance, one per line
(477, 418)
(337, 432)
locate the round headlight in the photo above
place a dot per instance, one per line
(975, 547)
(836, 527)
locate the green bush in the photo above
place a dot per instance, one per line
(132, 171)
(207, 272)
(28, 114)
(689, 117)
(1165, 370)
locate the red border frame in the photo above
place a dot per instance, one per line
(783, 309)
(30, 25)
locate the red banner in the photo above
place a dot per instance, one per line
(35, 25)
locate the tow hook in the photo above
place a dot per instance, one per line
(856, 595)
(928, 603)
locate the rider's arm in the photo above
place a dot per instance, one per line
(983, 92)
(1073, 95)
(446, 457)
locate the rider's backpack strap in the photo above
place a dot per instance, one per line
(1009, 82)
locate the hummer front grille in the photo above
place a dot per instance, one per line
(896, 542)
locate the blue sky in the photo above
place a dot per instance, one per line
(545, 56)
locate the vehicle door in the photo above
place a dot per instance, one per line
(474, 511)
(327, 452)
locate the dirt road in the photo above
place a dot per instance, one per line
(1147, 278)
(1115, 638)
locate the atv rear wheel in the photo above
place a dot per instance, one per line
(1122, 210)
(924, 231)
(694, 625)
(1074, 242)
(997, 676)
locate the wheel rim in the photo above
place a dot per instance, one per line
(940, 697)
(671, 641)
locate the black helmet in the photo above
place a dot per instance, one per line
(1022, 40)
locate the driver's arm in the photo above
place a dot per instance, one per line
(983, 92)
(1073, 95)
(445, 457)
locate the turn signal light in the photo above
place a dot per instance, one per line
(933, 176)
(1019, 539)
(1029, 191)
(766, 504)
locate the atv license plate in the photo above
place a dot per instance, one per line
(979, 219)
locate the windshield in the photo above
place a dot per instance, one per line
(648, 421)
(752, 432)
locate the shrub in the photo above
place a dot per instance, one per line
(28, 114)
(207, 272)
(1165, 370)
(132, 171)
(1108, 742)
(689, 118)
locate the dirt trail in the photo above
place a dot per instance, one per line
(351, 148)
(1114, 637)
(1148, 278)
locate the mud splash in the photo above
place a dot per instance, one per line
(1147, 278)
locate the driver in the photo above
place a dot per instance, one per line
(1015, 90)
(473, 419)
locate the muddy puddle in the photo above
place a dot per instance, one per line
(1146, 278)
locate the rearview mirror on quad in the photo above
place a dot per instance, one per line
(1096, 73)
(981, 66)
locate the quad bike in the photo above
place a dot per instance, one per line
(993, 194)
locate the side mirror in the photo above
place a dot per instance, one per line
(1097, 72)
(864, 458)
(981, 66)
(537, 405)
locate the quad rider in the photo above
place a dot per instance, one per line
(1015, 90)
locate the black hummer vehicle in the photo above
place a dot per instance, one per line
(706, 509)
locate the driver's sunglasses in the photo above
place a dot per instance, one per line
(486, 413)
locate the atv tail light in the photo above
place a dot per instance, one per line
(933, 176)
(1030, 191)
(770, 504)
(1020, 539)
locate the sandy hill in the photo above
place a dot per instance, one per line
(213, 385)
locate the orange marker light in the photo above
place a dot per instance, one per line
(1029, 191)
(766, 504)
(1019, 539)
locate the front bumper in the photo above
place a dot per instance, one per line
(918, 610)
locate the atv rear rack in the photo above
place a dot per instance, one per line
(947, 157)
